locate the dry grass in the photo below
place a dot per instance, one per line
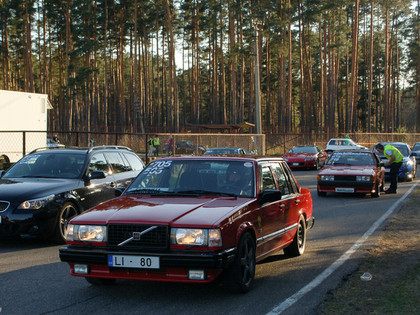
(395, 266)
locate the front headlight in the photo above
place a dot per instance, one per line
(86, 233)
(327, 177)
(196, 237)
(363, 178)
(35, 204)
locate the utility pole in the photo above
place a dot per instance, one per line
(257, 82)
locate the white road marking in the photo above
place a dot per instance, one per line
(335, 265)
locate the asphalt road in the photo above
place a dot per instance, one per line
(34, 281)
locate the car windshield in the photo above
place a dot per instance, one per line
(303, 150)
(416, 147)
(48, 165)
(403, 149)
(351, 158)
(195, 177)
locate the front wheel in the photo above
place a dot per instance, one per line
(297, 247)
(240, 276)
(321, 193)
(67, 212)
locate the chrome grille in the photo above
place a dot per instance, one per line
(4, 205)
(155, 239)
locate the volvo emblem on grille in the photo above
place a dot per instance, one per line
(137, 235)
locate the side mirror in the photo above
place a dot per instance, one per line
(118, 191)
(270, 196)
(97, 175)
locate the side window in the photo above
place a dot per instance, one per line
(282, 179)
(135, 162)
(117, 163)
(294, 186)
(268, 179)
(98, 163)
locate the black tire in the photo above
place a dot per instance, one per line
(297, 247)
(67, 212)
(240, 276)
(100, 281)
(377, 192)
(321, 193)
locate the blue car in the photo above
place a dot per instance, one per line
(408, 169)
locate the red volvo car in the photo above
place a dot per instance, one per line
(352, 171)
(193, 219)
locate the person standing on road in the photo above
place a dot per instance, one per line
(395, 158)
(156, 144)
(151, 143)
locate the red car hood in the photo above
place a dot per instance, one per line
(366, 170)
(299, 156)
(203, 211)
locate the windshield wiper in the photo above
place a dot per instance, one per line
(205, 192)
(149, 191)
(37, 176)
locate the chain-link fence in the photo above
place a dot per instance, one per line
(14, 144)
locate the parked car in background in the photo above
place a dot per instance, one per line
(193, 219)
(305, 156)
(416, 149)
(342, 144)
(226, 151)
(184, 147)
(48, 187)
(352, 171)
(408, 169)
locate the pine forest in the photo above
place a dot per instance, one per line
(164, 65)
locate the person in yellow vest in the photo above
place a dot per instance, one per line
(156, 144)
(395, 158)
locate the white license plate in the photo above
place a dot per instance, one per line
(387, 170)
(128, 261)
(295, 164)
(344, 190)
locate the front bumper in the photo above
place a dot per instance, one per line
(34, 224)
(304, 164)
(174, 264)
(334, 186)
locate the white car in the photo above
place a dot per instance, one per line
(342, 144)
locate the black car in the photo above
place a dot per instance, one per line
(49, 186)
(184, 147)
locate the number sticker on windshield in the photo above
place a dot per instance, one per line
(157, 167)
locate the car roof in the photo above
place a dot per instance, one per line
(354, 150)
(399, 143)
(245, 158)
(81, 150)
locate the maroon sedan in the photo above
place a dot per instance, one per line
(193, 219)
(352, 171)
(306, 156)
